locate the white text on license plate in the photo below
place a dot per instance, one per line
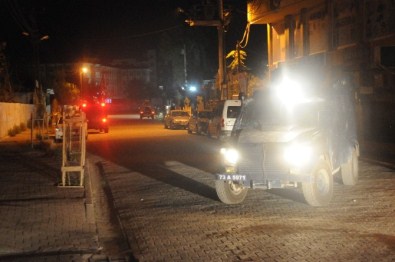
(232, 177)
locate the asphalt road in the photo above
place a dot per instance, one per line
(161, 188)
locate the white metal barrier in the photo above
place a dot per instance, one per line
(74, 147)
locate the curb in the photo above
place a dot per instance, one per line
(110, 229)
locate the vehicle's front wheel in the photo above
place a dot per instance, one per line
(350, 170)
(319, 191)
(230, 192)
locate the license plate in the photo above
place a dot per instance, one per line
(233, 177)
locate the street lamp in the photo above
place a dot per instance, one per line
(83, 70)
(192, 89)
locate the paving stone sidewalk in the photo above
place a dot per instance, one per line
(41, 221)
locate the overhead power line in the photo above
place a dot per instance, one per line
(18, 16)
(136, 35)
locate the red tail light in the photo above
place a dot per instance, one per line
(222, 122)
(153, 112)
(104, 120)
(103, 104)
(84, 105)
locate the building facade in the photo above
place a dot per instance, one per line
(113, 79)
(353, 38)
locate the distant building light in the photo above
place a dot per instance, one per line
(192, 89)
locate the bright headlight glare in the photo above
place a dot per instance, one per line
(290, 92)
(298, 155)
(231, 156)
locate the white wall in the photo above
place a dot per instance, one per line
(12, 114)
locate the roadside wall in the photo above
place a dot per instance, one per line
(12, 114)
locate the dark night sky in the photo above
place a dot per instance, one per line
(80, 28)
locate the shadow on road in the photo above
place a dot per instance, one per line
(162, 174)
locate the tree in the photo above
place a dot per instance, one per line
(237, 76)
(171, 67)
(65, 93)
(238, 62)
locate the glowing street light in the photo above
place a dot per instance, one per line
(192, 89)
(83, 70)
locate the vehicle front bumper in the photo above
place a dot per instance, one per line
(180, 124)
(264, 165)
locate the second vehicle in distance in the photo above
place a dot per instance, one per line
(177, 119)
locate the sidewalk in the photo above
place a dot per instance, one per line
(39, 220)
(379, 153)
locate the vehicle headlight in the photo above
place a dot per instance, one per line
(231, 156)
(298, 154)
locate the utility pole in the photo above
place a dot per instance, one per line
(32, 31)
(184, 52)
(220, 24)
(36, 39)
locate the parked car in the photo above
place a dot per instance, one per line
(198, 123)
(176, 119)
(147, 112)
(223, 118)
(58, 130)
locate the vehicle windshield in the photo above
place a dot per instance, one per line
(265, 113)
(179, 113)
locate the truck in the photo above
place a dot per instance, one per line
(296, 133)
(96, 114)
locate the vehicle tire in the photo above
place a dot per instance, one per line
(141, 117)
(152, 117)
(350, 170)
(229, 192)
(189, 130)
(106, 130)
(319, 191)
(198, 129)
(171, 125)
